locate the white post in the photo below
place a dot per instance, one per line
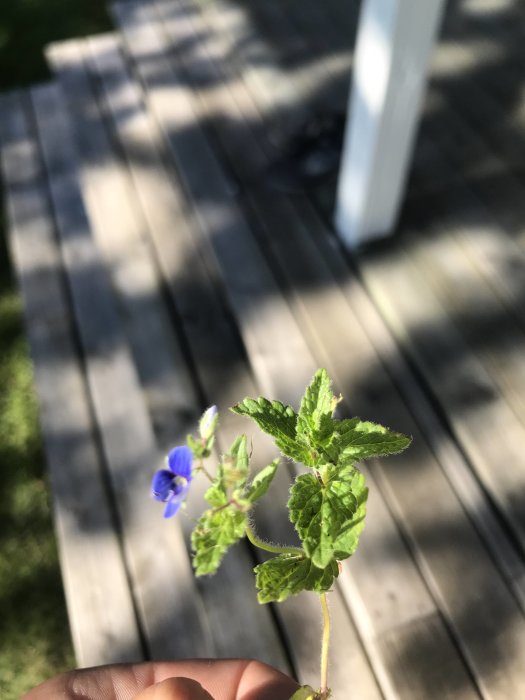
(393, 50)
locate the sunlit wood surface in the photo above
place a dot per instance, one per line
(161, 272)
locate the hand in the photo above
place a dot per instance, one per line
(232, 679)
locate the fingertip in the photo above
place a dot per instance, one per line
(262, 682)
(175, 689)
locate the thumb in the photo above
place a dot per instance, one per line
(175, 689)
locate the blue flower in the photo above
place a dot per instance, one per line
(171, 485)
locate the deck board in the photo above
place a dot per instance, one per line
(157, 354)
(119, 404)
(95, 579)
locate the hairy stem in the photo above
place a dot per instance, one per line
(325, 645)
(273, 548)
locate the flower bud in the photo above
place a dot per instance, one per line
(208, 422)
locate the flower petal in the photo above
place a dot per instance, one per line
(162, 485)
(180, 487)
(173, 507)
(210, 414)
(179, 461)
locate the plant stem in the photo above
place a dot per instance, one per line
(325, 645)
(273, 548)
(203, 469)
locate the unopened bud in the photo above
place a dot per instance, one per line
(208, 422)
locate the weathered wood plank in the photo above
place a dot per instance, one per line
(297, 54)
(412, 646)
(383, 275)
(492, 209)
(100, 604)
(462, 384)
(464, 151)
(484, 66)
(229, 235)
(155, 553)
(478, 272)
(188, 272)
(162, 370)
(268, 210)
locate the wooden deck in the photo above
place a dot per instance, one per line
(161, 274)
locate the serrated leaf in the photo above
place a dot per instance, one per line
(261, 482)
(329, 516)
(214, 533)
(288, 574)
(348, 538)
(277, 420)
(355, 439)
(216, 496)
(315, 423)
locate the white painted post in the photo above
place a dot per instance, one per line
(393, 49)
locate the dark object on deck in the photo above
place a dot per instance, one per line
(311, 157)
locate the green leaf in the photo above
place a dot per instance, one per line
(235, 464)
(216, 496)
(277, 420)
(232, 473)
(199, 448)
(315, 423)
(261, 482)
(214, 533)
(355, 439)
(305, 692)
(348, 537)
(288, 574)
(329, 515)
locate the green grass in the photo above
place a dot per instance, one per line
(34, 638)
(34, 642)
(26, 26)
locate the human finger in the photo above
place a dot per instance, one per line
(175, 689)
(231, 679)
